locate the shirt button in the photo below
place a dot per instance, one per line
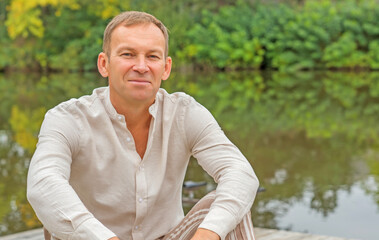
(128, 139)
(136, 227)
(140, 200)
(119, 118)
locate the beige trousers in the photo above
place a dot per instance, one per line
(188, 226)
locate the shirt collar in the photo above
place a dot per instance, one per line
(108, 105)
(153, 109)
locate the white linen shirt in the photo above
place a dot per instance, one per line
(86, 180)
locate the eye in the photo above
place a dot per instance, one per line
(154, 56)
(126, 54)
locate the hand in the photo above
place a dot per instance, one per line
(114, 238)
(205, 234)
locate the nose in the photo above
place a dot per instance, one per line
(140, 65)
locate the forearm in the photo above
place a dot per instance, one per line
(62, 212)
(237, 182)
(54, 200)
(205, 234)
(234, 198)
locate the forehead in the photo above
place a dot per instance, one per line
(138, 35)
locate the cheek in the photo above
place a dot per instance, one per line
(119, 64)
(158, 68)
(120, 69)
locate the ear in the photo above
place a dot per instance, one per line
(102, 64)
(167, 68)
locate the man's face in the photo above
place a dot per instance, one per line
(136, 64)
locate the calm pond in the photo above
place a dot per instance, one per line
(312, 138)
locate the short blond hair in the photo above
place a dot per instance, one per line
(130, 18)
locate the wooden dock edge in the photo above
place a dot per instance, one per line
(260, 234)
(274, 234)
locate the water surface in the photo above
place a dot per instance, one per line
(311, 137)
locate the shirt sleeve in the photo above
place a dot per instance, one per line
(236, 181)
(48, 190)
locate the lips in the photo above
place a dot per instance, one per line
(139, 81)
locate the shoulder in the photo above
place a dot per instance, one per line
(192, 112)
(72, 113)
(82, 104)
(182, 106)
(178, 98)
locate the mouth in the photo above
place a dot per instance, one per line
(139, 81)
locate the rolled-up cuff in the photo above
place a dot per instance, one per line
(220, 225)
(92, 229)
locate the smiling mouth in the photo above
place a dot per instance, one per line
(139, 81)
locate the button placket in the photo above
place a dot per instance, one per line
(140, 167)
(141, 194)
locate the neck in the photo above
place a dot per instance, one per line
(135, 114)
(138, 121)
(138, 118)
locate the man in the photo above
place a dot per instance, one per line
(111, 165)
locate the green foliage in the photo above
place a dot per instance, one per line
(300, 42)
(344, 53)
(80, 45)
(224, 40)
(374, 54)
(67, 35)
(316, 35)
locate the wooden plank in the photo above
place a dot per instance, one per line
(272, 234)
(36, 234)
(260, 234)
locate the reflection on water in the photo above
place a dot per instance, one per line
(311, 137)
(354, 215)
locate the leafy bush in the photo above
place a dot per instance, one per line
(224, 40)
(325, 34)
(316, 35)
